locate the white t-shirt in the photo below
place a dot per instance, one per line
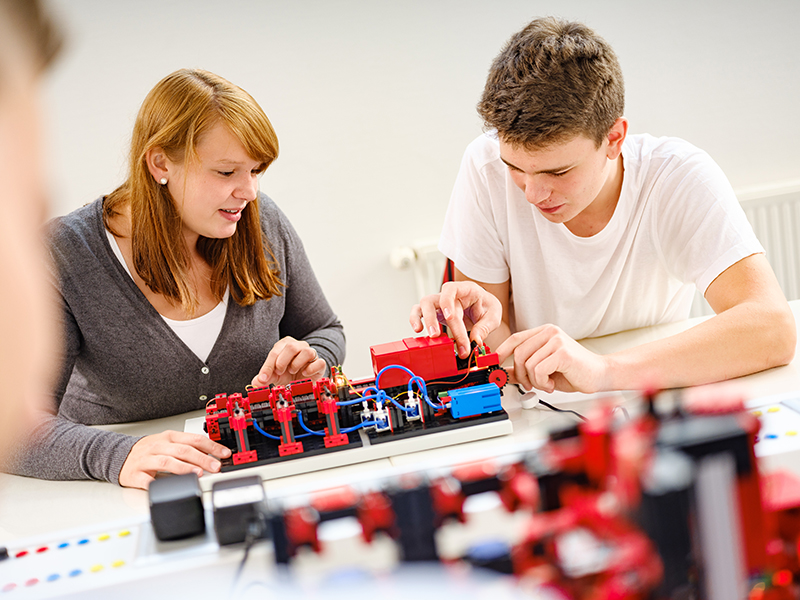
(199, 334)
(677, 225)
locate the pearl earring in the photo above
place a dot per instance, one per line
(163, 181)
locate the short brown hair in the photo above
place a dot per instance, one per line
(553, 80)
(174, 116)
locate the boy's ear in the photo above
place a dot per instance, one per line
(616, 136)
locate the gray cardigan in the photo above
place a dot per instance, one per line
(123, 363)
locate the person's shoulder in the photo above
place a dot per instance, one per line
(80, 223)
(484, 149)
(272, 217)
(644, 147)
(276, 226)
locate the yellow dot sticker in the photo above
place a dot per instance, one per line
(96, 568)
(757, 413)
(118, 563)
(124, 533)
(103, 537)
(773, 409)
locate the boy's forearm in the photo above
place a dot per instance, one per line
(744, 339)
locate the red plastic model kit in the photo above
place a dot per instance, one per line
(421, 386)
(613, 510)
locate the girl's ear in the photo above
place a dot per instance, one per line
(158, 164)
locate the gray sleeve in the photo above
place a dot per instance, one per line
(61, 449)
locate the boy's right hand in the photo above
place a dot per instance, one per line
(460, 305)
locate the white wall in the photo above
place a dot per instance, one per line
(373, 102)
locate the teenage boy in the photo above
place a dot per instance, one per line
(562, 226)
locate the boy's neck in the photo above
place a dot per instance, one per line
(593, 219)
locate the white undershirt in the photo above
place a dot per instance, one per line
(199, 334)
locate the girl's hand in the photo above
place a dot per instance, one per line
(290, 360)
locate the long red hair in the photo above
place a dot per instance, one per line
(174, 115)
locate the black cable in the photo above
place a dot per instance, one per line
(551, 407)
(562, 410)
(255, 528)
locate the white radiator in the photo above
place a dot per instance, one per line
(774, 213)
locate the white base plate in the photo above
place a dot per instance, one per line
(366, 453)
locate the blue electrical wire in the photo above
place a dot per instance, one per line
(360, 425)
(375, 395)
(310, 431)
(350, 402)
(400, 406)
(347, 430)
(264, 433)
(402, 368)
(378, 395)
(381, 397)
(275, 437)
(303, 425)
(414, 378)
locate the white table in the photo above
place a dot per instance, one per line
(31, 508)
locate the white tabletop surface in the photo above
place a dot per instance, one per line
(31, 507)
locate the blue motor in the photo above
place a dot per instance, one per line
(474, 400)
